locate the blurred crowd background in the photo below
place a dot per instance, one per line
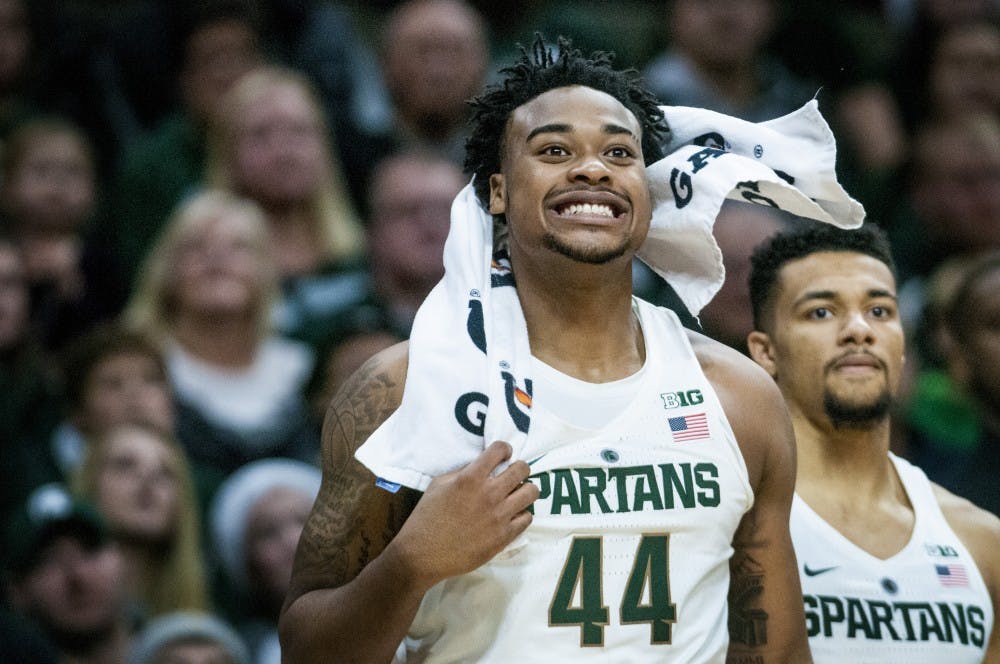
(212, 212)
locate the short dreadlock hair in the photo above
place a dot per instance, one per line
(805, 238)
(537, 71)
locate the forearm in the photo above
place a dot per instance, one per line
(361, 621)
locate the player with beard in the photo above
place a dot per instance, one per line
(893, 567)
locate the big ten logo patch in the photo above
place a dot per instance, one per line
(682, 398)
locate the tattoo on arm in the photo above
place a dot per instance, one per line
(745, 659)
(352, 520)
(747, 621)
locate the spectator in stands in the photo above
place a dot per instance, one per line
(140, 481)
(66, 573)
(952, 205)
(411, 196)
(16, 50)
(738, 229)
(718, 60)
(434, 57)
(964, 75)
(971, 322)
(357, 335)
(410, 203)
(220, 44)
(271, 143)
(947, 61)
(32, 401)
(112, 376)
(187, 637)
(320, 39)
(207, 292)
(257, 517)
(49, 197)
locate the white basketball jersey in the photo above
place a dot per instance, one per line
(927, 604)
(627, 558)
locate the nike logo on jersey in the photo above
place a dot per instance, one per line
(817, 572)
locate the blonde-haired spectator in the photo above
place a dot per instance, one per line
(140, 480)
(207, 291)
(270, 142)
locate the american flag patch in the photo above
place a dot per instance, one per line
(689, 427)
(952, 576)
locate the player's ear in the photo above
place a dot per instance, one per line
(498, 194)
(762, 351)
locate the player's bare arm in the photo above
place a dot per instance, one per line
(979, 531)
(766, 618)
(367, 556)
(352, 519)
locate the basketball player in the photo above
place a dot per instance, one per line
(893, 568)
(641, 544)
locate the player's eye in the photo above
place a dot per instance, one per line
(819, 313)
(620, 153)
(880, 311)
(554, 151)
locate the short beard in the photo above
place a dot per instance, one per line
(590, 255)
(845, 415)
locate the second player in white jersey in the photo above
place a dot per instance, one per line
(924, 605)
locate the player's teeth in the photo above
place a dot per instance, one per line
(588, 208)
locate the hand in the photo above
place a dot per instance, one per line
(466, 517)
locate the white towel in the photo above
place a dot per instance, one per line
(467, 385)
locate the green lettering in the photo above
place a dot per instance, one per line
(882, 614)
(705, 477)
(904, 608)
(646, 490)
(976, 620)
(832, 610)
(674, 483)
(954, 620)
(929, 624)
(620, 477)
(857, 619)
(544, 487)
(593, 481)
(812, 618)
(564, 493)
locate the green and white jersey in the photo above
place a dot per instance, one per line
(927, 604)
(627, 559)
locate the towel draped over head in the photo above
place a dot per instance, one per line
(467, 382)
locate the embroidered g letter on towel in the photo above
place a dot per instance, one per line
(466, 383)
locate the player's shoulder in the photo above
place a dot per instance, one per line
(965, 517)
(385, 371)
(731, 371)
(751, 401)
(369, 396)
(978, 529)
